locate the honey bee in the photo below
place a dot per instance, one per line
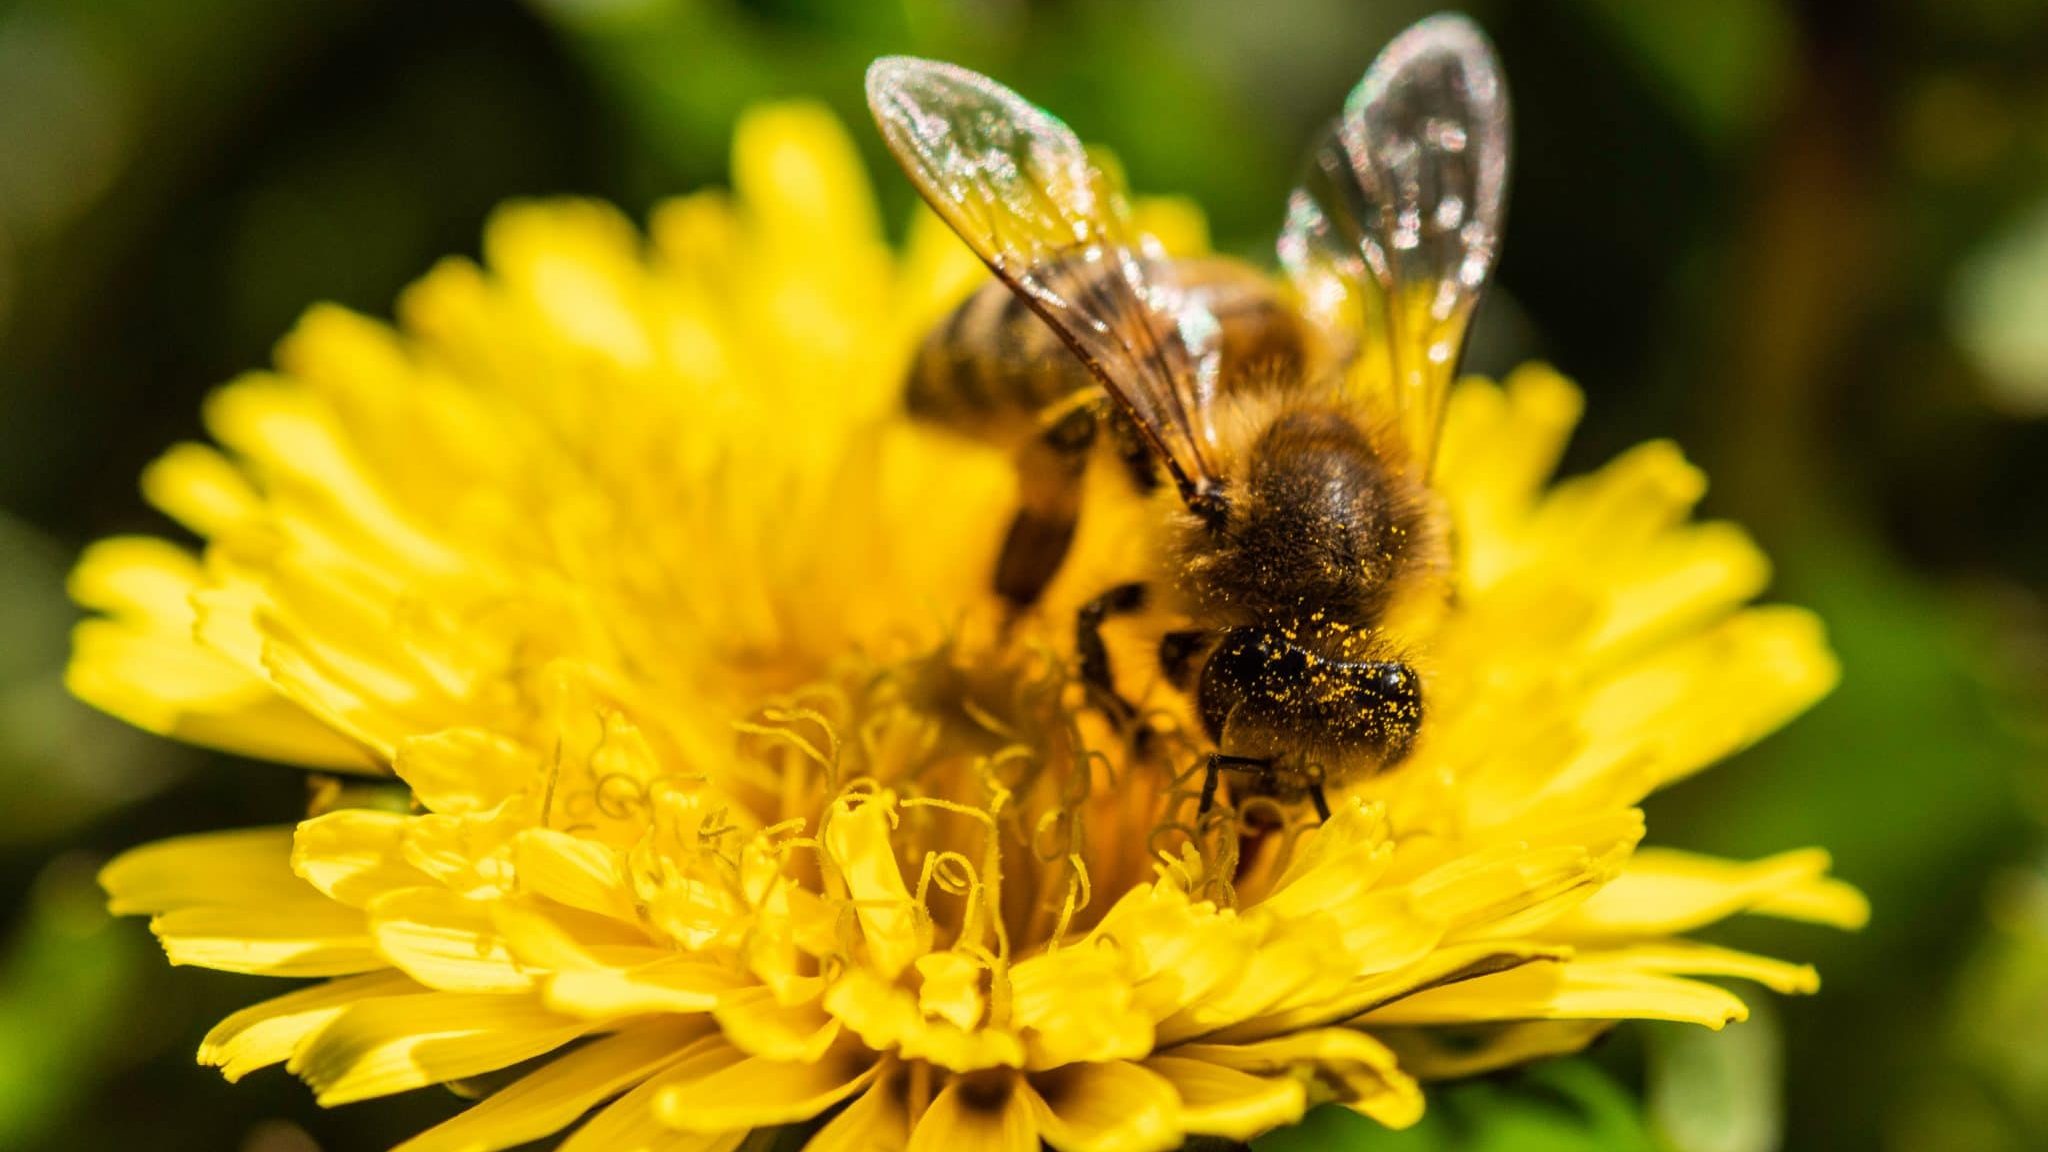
(1296, 427)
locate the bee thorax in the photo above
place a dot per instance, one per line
(1319, 521)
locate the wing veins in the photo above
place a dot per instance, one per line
(1404, 197)
(1016, 185)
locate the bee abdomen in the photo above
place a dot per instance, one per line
(991, 366)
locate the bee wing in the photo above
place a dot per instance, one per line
(1014, 182)
(1391, 235)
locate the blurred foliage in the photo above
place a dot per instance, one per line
(1804, 238)
(64, 764)
(66, 981)
(1721, 63)
(1989, 1089)
(1717, 1091)
(2000, 296)
(1562, 1106)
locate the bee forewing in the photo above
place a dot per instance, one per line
(1392, 235)
(1017, 186)
(1007, 175)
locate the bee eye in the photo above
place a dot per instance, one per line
(1396, 680)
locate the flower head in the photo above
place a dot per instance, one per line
(729, 801)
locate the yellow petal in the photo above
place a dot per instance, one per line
(1176, 222)
(696, 236)
(1662, 892)
(1447, 965)
(326, 939)
(225, 619)
(327, 650)
(397, 1043)
(888, 1018)
(860, 846)
(468, 854)
(1683, 580)
(171, 686)
(289, 436)
(464, 771)
(1360, 1070)
(630, 1124)
(1632, 498)
(986, 1111)
(796, 168)
(574, 264)
(445, 941)
(757, 1024)
(544, 935)
(1226, 1102)
(1691, 958)
(682, 984)
(559, 1092)
(938, 272)
(1566, 991)
(1515, 888)
(354, 855)
(228, 900)
(198, 487)
(1758, 669)
(245, 865)
(1112, 1107)
(876, 1121)
(359, 364)
(1499, 445)
(575, 871)
(1277, 973)
(1077, 1005)
(1430, 1054)
(1180, 953)
(949, 988)
(146, 580)
(268, 1033)
(1825, 900)
(1350, 847)
(758, 1093)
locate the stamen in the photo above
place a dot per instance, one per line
(987, 719)
(1077, 884)
(787, 736)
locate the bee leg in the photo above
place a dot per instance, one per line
(1218, 761)
(1322, 802)
(1049, 473)
(1140, 459)
(1121, 600)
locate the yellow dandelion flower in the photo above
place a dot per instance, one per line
(730, 806)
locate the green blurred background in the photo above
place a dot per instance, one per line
(1809, 240)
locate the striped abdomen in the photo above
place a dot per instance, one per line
(992, 366)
